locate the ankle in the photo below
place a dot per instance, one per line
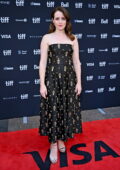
(61, 141)
(53, 145)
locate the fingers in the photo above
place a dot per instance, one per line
(44, 95)
(43, 91)
(78, 91)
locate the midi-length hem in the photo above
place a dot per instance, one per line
(60, 112)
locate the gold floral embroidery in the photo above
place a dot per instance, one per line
(60, 112)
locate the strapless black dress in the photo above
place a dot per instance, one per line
(60, 112)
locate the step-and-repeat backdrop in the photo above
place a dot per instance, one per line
(22, 25)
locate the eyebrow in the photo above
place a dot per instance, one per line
(59, 17)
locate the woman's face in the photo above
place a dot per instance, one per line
(59, 20)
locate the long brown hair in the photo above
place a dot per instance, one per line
(68, 28)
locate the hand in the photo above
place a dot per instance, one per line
(43, 91)
(78, 89)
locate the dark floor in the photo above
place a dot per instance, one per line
(33, 122)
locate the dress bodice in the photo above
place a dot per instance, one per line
(60, 59)
(60, 54)
(61, 48)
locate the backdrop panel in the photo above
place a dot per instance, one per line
(22, 25)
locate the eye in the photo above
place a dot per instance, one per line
(63, 18)
(57, 18)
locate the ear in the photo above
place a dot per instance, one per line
(52, 20)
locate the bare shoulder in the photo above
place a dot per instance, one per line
(75, 38)
(46, 38)
(75, 41)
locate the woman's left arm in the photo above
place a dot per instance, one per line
(76, 60)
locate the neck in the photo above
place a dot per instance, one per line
(60, 32)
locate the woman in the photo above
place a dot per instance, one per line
(60, 83)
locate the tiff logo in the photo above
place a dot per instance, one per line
(19, 2)
(50, 4)
(36, 51)
(116, 21)
(91, 50)
(9, 83)
(35, 20)
(102, 64)
(37, 81)
(21, 36)
(91, 20)
(23, 67)
(78, 5)
(103, 35)
(4, 19)
(7, 52)
(115, 49)
(79, 36)
(89, 78)
(105, 6)
(24, 96)
(100, 90)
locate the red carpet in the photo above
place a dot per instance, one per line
(97, 148)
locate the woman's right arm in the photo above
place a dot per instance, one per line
(43, 59)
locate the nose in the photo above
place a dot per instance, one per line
(60, 21)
